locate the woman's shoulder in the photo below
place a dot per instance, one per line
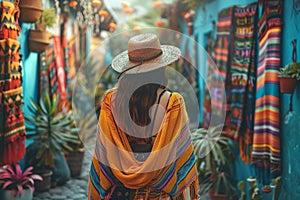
(175, 99)
(106, 98)
(176, 96)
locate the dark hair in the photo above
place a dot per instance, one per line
(141, 90)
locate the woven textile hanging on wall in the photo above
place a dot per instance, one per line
(239, 122)
(49, 72)
(44, 82)
(12, 129)
(72, 57)
(216, 79)
(266, 142)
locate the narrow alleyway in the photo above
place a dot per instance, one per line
(74, 189)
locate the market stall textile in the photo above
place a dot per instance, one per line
(12, 129)
(216, 77)
(266, 142)
(242, 78)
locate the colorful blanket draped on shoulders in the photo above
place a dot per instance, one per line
(170, 166)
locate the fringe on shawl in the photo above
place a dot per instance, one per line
(193, 190)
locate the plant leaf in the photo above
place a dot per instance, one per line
(36, 177)
(6, 184)
(20, 189)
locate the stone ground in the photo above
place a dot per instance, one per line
(74, 189)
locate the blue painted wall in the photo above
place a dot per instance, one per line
(290, 126)
(29, 68)
(290, 132)
(203, 25)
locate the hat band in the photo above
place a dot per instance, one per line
(143, 55)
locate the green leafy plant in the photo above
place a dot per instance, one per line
(215, 154)
(291, 70)
(88, 125)
(50, 130)
(48, 17)
(213, 146)
(14, 179)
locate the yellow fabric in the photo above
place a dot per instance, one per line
(117, 153)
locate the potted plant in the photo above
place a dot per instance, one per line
(88, 124)
(51, 131)
(288, 77)
(31, 10)
(215, 154)
(15, 184)
(39, 39)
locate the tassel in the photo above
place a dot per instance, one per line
(193, 191)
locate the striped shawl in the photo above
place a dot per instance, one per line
(170, 167)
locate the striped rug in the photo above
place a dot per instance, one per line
(242, 78)
(266, 142)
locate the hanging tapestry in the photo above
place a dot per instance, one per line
(66, 67)
(12, 129)
(72, 57)
(44, 76)
(67, 72)
(239, 123)
(266, 142)
(216, 77)
(51, 67)
(60, 64)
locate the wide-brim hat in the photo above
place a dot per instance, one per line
(145, 53)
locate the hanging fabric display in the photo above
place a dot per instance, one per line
(44, 76)
(266, 142)
(216, 79)
(243, 77)
(72, 57)
(51, 67)
(67, 72)
(66, 66)
(12, 129)
(60, 64)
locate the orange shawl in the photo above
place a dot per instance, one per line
(170, 166)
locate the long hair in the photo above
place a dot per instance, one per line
(136, 93)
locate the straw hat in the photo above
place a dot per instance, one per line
(145, 53)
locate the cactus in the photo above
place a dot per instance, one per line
(241, 187)
(254, 193)
(277, 183)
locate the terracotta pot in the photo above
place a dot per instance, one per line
(31, 10)
(287, 84)
(39, 39)
(75, 160)
(45, 184)
(7, 195)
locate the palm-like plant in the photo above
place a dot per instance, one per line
(89, 126)
(12, 178)
(215, 153)
(50, 130)
(213, 146)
